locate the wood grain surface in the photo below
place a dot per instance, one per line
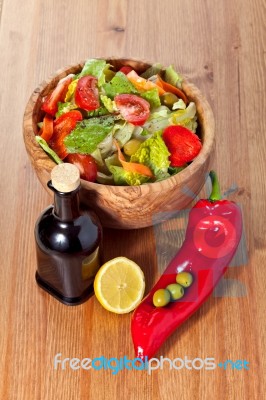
(220, 46)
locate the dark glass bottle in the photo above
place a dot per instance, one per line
(68, 243)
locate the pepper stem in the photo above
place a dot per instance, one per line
(216, 193)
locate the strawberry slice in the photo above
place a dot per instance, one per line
(183, 144)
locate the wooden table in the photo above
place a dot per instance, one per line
(220, 46)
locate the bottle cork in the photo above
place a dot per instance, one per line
(65, 177)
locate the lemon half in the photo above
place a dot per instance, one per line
(119, 285)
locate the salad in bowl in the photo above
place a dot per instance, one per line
(119, 126)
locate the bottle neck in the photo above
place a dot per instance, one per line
(66, 205)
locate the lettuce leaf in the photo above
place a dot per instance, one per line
(118, 85)
(106, 146)
(122, 177)
(158, 120)
(48, 150)
(141, 134)
(113, 160)
(152, 96)
(104, 179)
(163, 117)
(64, 108)
(99, 112)
(87, 135)
(109, 104)
(172, 77)
(153, 153)
(123, 133)
(179, 105)
(186, 118)
(95, 68)
(96, 154)
(153, 70)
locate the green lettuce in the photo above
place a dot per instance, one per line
(123, 133)
(172, 77)
(87, 135)
(48, 149)
(104, 179)
(113, 160)
(99, 112)
(153, 153)
(64, 108)
(95, 68)
(179, 105)
(152, 96)
(163, 117)
(153, 70)
(158, 120)
(118, 85)
(109, 104)
(122, 177)
(186, 118)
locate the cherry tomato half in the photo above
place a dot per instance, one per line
(183, 144)
(63, 127)
(87, 94)
(133, 108)
(86, 165)
(50, 104)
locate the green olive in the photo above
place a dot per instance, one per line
(169, 99)
(185, 279)
(161, 298)
(131, 146)
(109, 74)
(176, 291)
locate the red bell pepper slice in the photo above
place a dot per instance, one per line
(213, 234)
(47, 128)
(50, 105)
(63, 127)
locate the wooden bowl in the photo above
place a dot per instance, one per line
(127, 207)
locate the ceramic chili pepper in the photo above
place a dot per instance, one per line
(212, 237)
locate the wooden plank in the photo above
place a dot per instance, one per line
(220, 46)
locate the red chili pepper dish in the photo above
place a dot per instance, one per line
(212, 237)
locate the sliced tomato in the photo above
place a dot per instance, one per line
(62, 128)
(183, 144)
(47, 128)
(86, 165)
(133, 108)
(87, 94)
(50, 104)
(126, 69)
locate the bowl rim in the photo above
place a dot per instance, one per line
(30, 127)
